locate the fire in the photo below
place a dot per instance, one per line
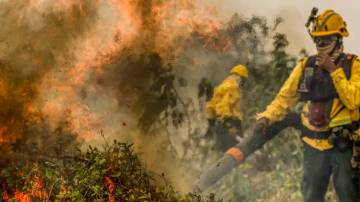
(59, 83)
(81, 75)
(36, 192)
(62, 89)
(38, 189)
(3, 131)
(22, 197)
(111, 188)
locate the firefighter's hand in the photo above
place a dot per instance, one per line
(324, 61)
(261, 125)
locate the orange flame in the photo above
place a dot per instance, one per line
(111, 188)
(22, 197)
(38, 189)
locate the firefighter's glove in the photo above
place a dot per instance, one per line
(261, 125)
(324, 61)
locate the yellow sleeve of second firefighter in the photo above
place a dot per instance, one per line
(287, 97)
(225, 102)
(348, 90)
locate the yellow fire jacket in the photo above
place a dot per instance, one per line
(349, 96)
(225, 102)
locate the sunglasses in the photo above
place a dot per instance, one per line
(325, 40)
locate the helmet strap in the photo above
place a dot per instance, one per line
(338, 45)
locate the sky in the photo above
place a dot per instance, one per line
(295, 14)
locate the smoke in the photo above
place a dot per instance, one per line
(74, 71)
(295, 14)
(35, 40)
(88, 71)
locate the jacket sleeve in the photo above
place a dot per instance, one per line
(348, 90)
(287, 97)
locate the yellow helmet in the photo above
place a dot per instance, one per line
(329, 23)
(240, 70)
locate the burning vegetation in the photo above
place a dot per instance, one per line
(113, 174)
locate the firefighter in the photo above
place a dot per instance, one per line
(328, 84)
(224, 111)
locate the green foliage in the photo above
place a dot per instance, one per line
(115, 172)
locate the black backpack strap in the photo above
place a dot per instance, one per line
(347, 62)
(310, 61)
